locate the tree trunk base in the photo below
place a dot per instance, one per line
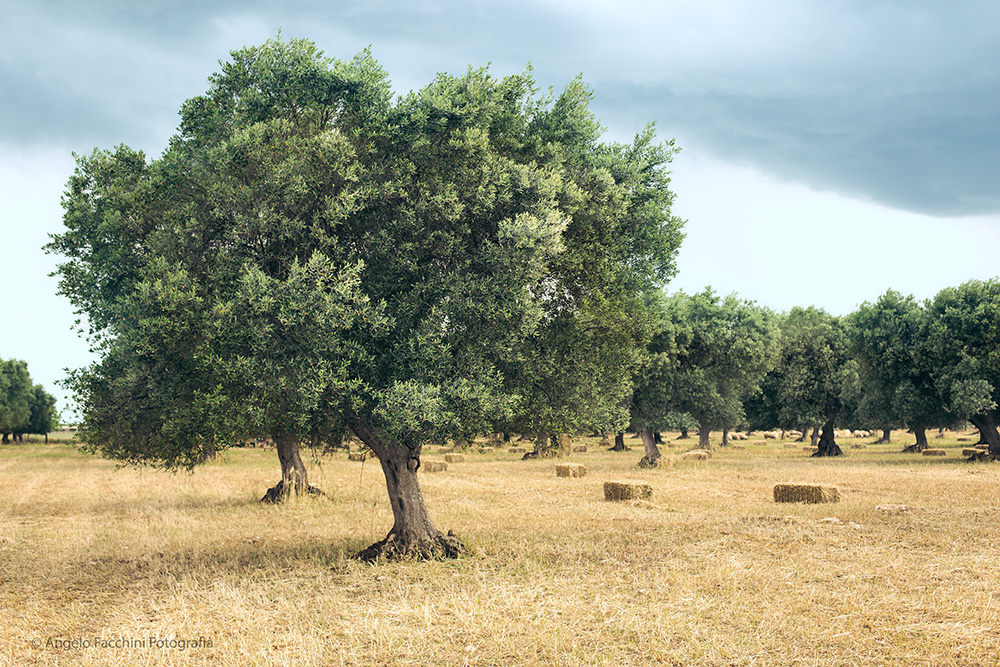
(915, 448)
(428, 547)
(279, 493)
(619, 447)
(981, 457)
(832, 450)
(647, 462)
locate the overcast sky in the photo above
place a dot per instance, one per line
(829, 151)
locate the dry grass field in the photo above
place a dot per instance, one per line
(100, 566)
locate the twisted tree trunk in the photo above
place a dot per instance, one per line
(986, 423)
(921, 444)
(294, 476)
(652, 456)
(619, 443)
(413, 534)
(827, 445)
(703, 434)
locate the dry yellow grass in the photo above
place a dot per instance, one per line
(711, 572)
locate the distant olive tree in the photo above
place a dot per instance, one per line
(707, 353)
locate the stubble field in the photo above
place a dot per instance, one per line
(100, 566)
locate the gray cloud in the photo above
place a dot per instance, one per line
(892, 102)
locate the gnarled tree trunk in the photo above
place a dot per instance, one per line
(294, 477)
(413, 534)
(725, 437)
(814, 437)
(986, 423)
(827, 444)
(921, 444)
(652, 457)
(619, 443)
(886, 437)
(684, 434)
(703, 434)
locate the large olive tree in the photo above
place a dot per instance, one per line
(310, 258)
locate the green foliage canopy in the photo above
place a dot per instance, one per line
(308, 256)
(708, 353)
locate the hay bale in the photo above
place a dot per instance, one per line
(737, 446)
(805, 493)
(935, 452)
(972, 452)
(485, 450)
(571, 470)
(454, 458)
(615, 491)
(428, 465)
(516, 450)
(580, 449)
(859, 445)
(810, 450)
(790, 445)
(359, 456)
(963, 439)
(697, 455)
(758, 442)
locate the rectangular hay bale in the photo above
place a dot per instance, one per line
(571, 470)
(454, 458)
(625, 491)
(935, 452)
(580, 449)
(428, 465)
(805, 493)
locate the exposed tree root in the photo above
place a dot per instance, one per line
(279, 493)
(430, 547)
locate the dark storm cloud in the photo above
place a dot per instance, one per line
(893, 102)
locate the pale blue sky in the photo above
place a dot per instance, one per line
(830, 150)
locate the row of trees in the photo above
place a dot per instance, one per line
(722, 363)
(25, 408)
